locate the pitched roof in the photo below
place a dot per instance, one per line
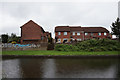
(62, 28)
(76, 28)
(94, 29)
(79, 28)
(32, 22)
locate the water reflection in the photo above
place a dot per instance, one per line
(49, 68)
(31, 68)
(0, 68)
(86, 68)
(11, 69)
(60, 68)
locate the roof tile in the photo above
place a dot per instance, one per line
(79, 28)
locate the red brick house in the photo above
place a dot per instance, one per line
(31, 32)
(78, 33)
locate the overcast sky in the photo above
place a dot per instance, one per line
(49, 14)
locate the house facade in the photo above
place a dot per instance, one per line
(31, 32)
(78, 33)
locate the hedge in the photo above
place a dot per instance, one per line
(90, 45)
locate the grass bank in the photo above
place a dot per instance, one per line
(58, 53)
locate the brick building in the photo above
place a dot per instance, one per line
(78, 33)
(31, 32)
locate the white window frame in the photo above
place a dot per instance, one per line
(99, 33)
(105, 33)
(65, 33)
(73, 33)
(73, 39)
(79, 39)
(78, 33)
(86, 34)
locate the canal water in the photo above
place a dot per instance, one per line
(60, 68)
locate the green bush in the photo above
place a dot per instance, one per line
(91, 45)
(59, 47)
(114, 47)
(65, 47)
(75, 48)
(103, 48)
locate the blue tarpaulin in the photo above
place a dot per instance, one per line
(20, 45)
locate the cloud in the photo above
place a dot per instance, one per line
(51, 14)
(59, 0)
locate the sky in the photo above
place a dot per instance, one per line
(52, 13)
(119, 9)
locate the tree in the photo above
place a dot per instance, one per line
(13, 37)
(50, 40)
(116, 28)
(56, 39)
(4, 38)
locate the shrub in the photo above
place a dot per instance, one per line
(103, 48)
(91, 49)
(91, 45)
(59, 47)
(64, 47)
(114, 47)
(75, 48)
(110, 49)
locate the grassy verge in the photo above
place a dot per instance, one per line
(58, 53)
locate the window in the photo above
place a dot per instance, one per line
(78, 39)
(86, 33)
(99, 34)
(59, 40)
(73, 39)
(65, 33)
(105, 33)
(73, 33)
(78, 33)
(59, 33)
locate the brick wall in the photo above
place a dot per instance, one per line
(102, 36)
(82, 36)
(62, 36)
(31, 31)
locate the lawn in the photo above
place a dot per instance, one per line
(58, 53)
